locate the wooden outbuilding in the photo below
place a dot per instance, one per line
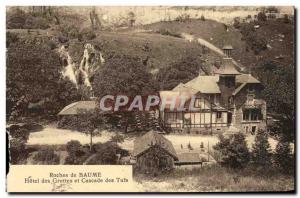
(154, 153)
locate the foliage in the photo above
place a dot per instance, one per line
(233, 150)
(107, 153)
(283, 157)
(257, 42)
(19, 19)
(164, 31)
(87, 34)
(34, 83)
(261, 151)
(236, 22)
(11, 38)
(261, 16)
(123, 74)
(183, 18)
(77, 154)
(279, 92)
(202, 18)
(17, 143)
(180, 71)
(46, 156)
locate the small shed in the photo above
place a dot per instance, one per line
(154, 153)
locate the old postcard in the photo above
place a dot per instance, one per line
(150, 98)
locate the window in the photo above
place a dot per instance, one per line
(219, 115)
(252, 114)
(230, 100)
(229, 82)
(250, 88)
(253, 129)
(250, 97)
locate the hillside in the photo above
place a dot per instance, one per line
(277, 35)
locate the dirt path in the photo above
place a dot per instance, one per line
(209, 45)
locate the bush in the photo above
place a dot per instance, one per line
(236, 23)
(202, 18)
(34, 22)
(261, 16)
(183, 18)
(46, 156)
(283, 157)
(168, 33)
(87, 34)
(77, 154)
(19, 136)
(107, 153)
(11, 38)
(15, 19)
(234, 151)
(261, 152)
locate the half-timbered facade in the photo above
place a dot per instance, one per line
(226, 98)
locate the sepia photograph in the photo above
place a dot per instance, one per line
(151, 98)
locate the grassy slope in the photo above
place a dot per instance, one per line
(216, 33)
(161, 50)
(214, 179)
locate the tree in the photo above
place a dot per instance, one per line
(76, 153)
(107, 153)
(88, 123)
(234, 151)
(261, 16)
(261, 151)
(283, 157)
(34, 84)
(123, 74)
(279, 92)
(181, 71)
(17, 143)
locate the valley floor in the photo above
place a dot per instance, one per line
(50, 135)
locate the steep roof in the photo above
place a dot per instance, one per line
(73, 108)
(205, 84)
(246, 78)
(151, 138)
(227, 68)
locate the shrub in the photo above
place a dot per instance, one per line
(283, 157)
(11, 38)
(36, 22)
(15, 19)
(77, 154)
(261, 152)
(87, 34)
(19, 136)
(183, 18)
(168, 33)
(107, 153)
(46, 156)
(202, 18)
(234, 151)
(236, 23)
(261, 16)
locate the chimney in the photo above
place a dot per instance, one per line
(227, 49)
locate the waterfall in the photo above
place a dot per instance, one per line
(91, 60)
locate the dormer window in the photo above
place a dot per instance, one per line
(229, 82)
(250, 88)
